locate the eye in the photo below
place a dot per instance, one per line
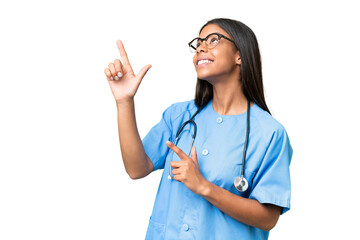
(213, 40)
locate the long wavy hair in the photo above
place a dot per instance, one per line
(250, 69)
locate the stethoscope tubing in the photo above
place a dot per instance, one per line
(240, 182)
(246, 138)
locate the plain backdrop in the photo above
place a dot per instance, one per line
(61, 172)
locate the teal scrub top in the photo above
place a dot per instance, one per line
(178, 213)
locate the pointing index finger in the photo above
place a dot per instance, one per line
(123, 54)
(176, 149)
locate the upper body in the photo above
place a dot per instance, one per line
(200, 201)
(179, 213)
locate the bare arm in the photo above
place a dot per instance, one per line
(248, 211)
(136, 162)
(124, 84)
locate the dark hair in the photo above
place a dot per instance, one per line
(250, 72)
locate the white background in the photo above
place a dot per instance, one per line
(61, 172)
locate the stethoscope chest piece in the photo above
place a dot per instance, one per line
(241, 184)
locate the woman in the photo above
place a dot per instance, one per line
(198, 197)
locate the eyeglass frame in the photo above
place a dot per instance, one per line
(205, 39)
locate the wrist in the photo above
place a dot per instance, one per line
(125, 101)
(205, 189)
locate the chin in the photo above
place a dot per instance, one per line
(208, 77)
(204, 74)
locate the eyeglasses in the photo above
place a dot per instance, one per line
(211, 41)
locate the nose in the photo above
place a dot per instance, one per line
(202, 47)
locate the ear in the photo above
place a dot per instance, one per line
(238, 58)
(238, 61)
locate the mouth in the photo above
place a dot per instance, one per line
(202, 62)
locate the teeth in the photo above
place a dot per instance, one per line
(204, 61)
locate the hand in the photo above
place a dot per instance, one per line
(187, 170)
(122, 80)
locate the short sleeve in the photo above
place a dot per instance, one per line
(154, 142)
(271, 184)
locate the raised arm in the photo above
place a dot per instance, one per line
(124, 84)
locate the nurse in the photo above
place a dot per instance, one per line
(199, 199)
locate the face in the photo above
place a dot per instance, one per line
(221, 62)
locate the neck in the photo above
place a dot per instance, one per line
(228, 98)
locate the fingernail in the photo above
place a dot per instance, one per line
(116, 78)
(119, 74)
(111, 78)
(168, 142)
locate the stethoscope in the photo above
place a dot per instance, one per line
(240, 183)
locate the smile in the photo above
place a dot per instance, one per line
(204, 61)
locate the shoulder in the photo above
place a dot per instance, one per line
(266, 123)
(270, 132)
(178, 109)
(177, 112)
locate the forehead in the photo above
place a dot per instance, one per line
(212, 28)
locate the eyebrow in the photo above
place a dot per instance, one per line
(210, 34)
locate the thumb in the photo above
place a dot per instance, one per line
(142, 72)
(194, 156)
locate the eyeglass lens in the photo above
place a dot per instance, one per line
(211, 42)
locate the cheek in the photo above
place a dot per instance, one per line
(224, 62)
(227, 56)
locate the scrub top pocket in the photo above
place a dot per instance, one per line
(155, 230)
